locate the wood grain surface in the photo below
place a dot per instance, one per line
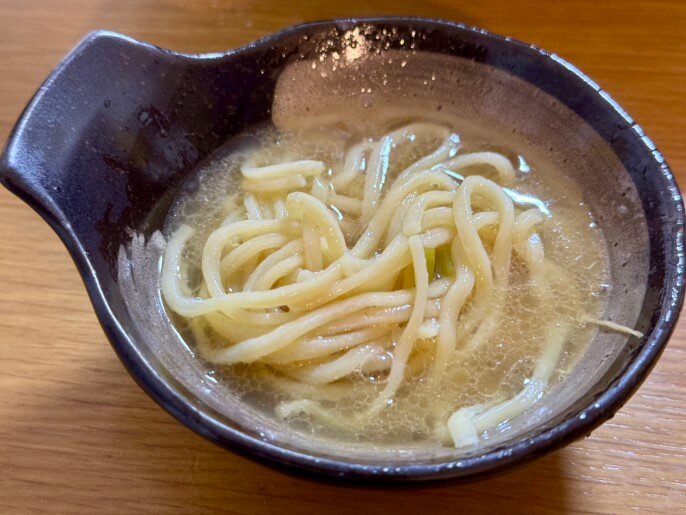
(76, 432)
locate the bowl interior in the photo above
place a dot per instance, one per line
(477, 99)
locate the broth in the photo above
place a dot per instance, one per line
(490, 374)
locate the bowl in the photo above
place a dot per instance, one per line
(107, 141)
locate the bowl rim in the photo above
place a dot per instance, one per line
(181, 405)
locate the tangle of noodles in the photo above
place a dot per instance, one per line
(292, 289)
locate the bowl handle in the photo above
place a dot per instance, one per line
(88, 150)
(48, 159)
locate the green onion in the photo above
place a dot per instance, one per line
(430, 255)
(444, 261)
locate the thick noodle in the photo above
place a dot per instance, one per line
(425, 282)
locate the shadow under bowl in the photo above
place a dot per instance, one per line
(109, 139)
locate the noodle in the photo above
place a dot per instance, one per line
(422, 289)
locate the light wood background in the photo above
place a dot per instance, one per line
(76, 432)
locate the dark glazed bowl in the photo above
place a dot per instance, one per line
(107, 140)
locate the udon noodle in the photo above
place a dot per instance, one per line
(339, 279)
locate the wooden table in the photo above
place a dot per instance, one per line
(76, 432)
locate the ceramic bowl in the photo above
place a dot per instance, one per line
(107, 141)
